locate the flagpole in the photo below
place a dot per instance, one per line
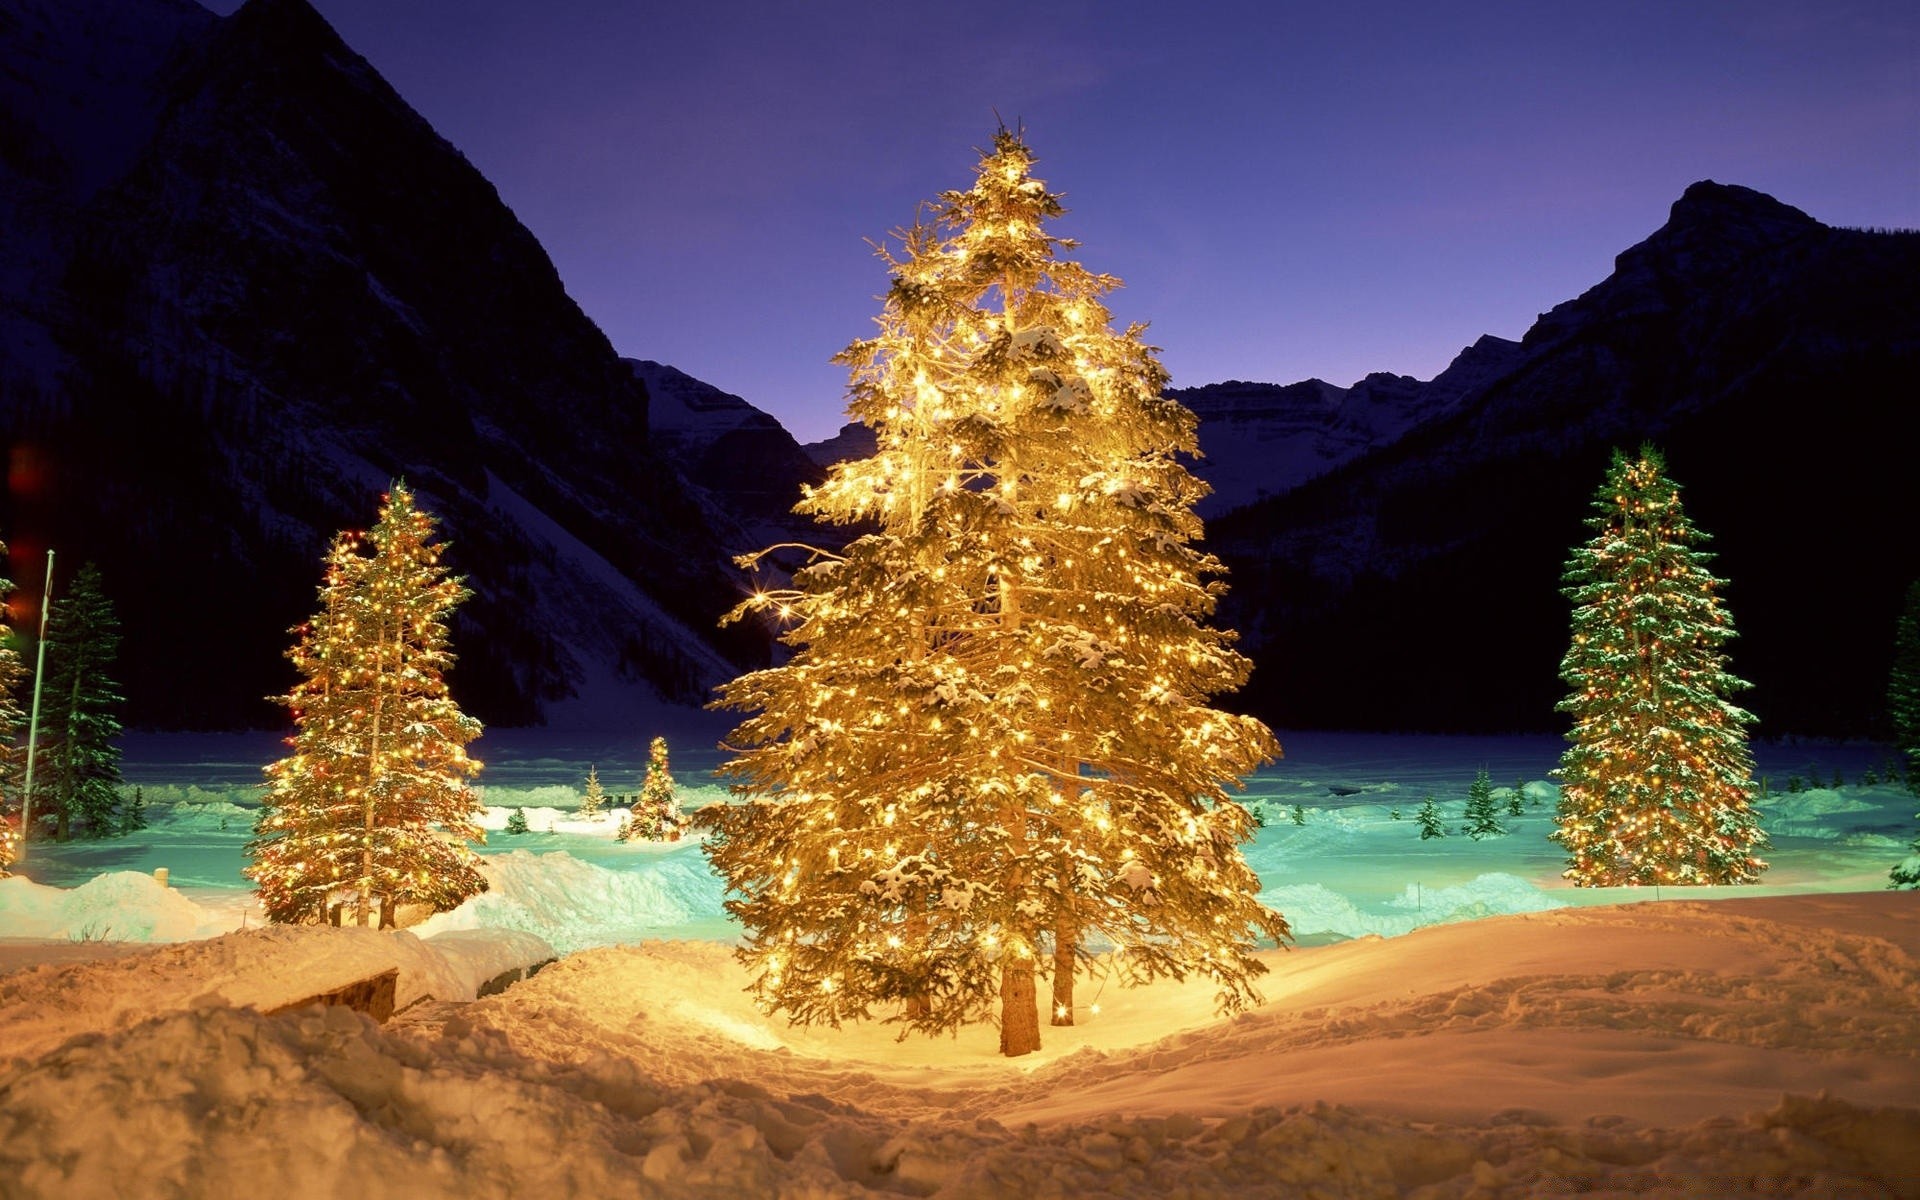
(33, 721)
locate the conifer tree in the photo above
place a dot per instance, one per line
(12, 720)
(1903, 706)
(1483, 815)
(1431, 825)
(373, 802)
(77, 778)
(992, 742)
(517, 821)
(1657, 785)
(656, 813)
(1903, 686)
(590, 803)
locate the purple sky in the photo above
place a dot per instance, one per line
(1288, 190)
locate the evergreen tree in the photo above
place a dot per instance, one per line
(992, 741)
(134, 816)
(77, 776)
(1429, 818)
(1483, 815)
(590, 804)
(373, 802)
(1657, 785)
(517, 821)
(656, 812)
(12, 722)
(1517, 799)
(1903, 687)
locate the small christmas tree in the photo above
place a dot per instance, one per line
(1483, 815)
(517, 821)
(1657, 785)
(12, 720)
(373, 803)
(1516, 798)
(591, 803)
(1429, 818)
(656, 813)
(78, 776)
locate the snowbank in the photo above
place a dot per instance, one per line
(1764, 1046)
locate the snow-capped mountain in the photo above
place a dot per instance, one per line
(1772, 357)
(242, 286)
(1262, 439)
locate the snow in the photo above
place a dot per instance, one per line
(1460, 1023)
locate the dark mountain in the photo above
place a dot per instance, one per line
(1770, 356)
(242, 286)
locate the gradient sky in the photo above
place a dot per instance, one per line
(1287, 190)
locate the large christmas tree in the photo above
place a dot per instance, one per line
(77, 775)
(1657, 786)
(991, 747)
(373, 803)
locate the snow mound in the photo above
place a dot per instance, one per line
(1314, 910)
(571, 904)
(125, 906)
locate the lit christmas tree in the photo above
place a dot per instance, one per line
(992, 745)
(1903, 705)
(656, 814)
(1657, 786)
(12, 720)
(373, 803)
(77, 779)
(591, 803)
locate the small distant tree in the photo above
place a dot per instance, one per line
(1657, 786)
(374, 800)
(133, 816)
(1903, 686)
(656, 812)
(591, 803)
(1517, 799)
(78, 775)
(1431, 825)
(1299, 814)
(1483, 816)
(517, 821)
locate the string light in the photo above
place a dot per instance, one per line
(1023, 618)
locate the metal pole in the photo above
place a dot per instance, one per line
(33, 721)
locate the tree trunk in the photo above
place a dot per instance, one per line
(1019, 1010)
(1066, 936)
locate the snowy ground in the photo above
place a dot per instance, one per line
(1546, 1041)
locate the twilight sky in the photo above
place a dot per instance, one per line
(1286, 189)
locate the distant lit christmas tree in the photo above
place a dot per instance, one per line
(373, 805)
(1903, 706)
(656, 813)
(596, 797)
(1657, 786)
(77, 774)
(992, 744)
(13, 720)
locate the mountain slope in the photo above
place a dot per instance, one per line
(1417, 586)
(286, 290)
